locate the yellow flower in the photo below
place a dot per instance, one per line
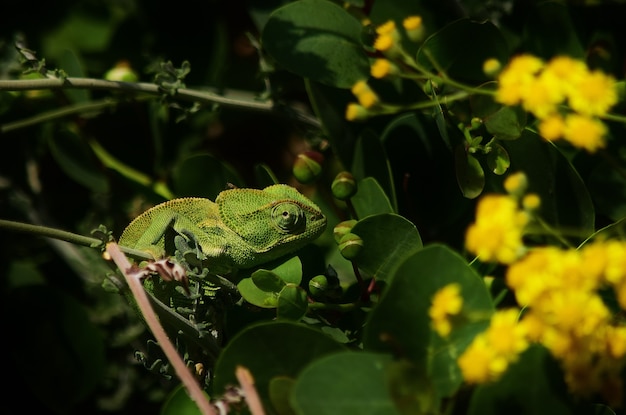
(387, 28)
(382, 68)
(568, 71)
(552, 127)
(496, 235)
(531, 201)
(478, 363)
(516, 183)
(584, 132)
(355, 112)
(542, 95)
(594, 94)
(364, 94)
(516, 78)
(446, 302)
(414, 28)
(491, 66)
(387, 39)
(505, 335)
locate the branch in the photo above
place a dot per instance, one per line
(143, 302)
(134, 87)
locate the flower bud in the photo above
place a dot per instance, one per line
(318, 286)
(414, 28)
(344, 186)
(308, 166)
(350, 245)
(343, 228)
(121, 72)
(491, 67)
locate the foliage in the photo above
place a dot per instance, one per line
(469, 157)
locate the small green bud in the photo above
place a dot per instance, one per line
(343, 228)
(318, 286)
(121, 72)
(344, 186)
(350, 245)
(308, 166)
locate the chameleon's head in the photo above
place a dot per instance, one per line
(272, 222)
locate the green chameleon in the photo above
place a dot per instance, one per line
(243, 228)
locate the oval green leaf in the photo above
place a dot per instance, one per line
(370, 199)
(498, 159)
(401, 321)
(461, 47)
(345, 383)
(292, 303)
(388, 239)
(469, 173)
(317, 39)
(270, 350)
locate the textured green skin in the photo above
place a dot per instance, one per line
(239, 230)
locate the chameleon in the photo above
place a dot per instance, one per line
(241, 229)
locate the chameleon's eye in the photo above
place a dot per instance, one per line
(289, 217)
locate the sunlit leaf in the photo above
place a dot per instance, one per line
(317, 39)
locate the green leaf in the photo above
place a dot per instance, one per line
(400, 322)
(498, 159)
(388, 239)
(271, 350)
(264, 175)
(460, 49)
(72, 65)
(329, 105)
(370, 199)
(280, 392)
(483, 105)
(345, 383)
(565, 200)
(76, 159)
(178, 402)
(271, 279)
(507, 123)
(469, 173)
(607, 186)
(267, 281)
(203, 175)
(317, 39)
(514, 394)
(292, 303)
(370, 160)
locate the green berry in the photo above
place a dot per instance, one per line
(344, 186)
(308, 166)
(343, 228)
(350, 245)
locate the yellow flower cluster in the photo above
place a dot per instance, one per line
(542, 88)
(447, 302)
(496, 234)
(566, 314)
(492, 351)
(388, 44)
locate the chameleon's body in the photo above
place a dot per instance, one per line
(241, 229)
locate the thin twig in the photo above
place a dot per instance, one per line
(250, 393)
(143, 302)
